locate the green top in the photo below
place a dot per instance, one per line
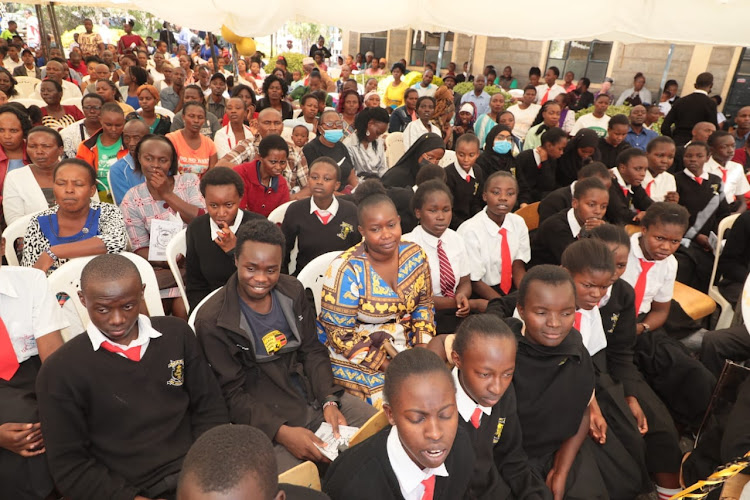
(107, 157)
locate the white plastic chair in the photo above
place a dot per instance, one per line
(25, 89)
(277, 214)
(73, 101)
(727, 311)
(394, 148)
(448, 158)
(178, 246)
(160, 110)
(194, 313)
(27, 79)
(28, 101)
(14, 231)
(313, 275)
(67, 279)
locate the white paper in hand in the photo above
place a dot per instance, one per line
(331, 448)
(162, 232)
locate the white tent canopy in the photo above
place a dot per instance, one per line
(718, 22)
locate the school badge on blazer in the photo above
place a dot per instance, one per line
(178, 372)
(614, 318)
(499, 430)
(715, 188)
(345, 230)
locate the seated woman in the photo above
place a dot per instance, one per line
(393, 97)
(17, 124)
(8, 85)
(78, 226)
(157, 123)
(108, 91)
(133, 78)
(235, 130)
(536, 167)
(580, 150)
(372, 99)
(488, 121)
(321, 223)
(567, 117)
(274, 93)
(209, 259)
(251, 105)
(55, 115)
(425, 110)
(165, 196)
(498, 152)
(196, 153)
(366, 149)
(350, 104)
(376, 300)
(265, 185)
(404, 115)
(464, 121)
(428, 149)
(547, 118)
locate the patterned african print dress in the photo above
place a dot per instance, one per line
(360, 312)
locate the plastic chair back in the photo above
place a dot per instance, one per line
(530, 215)
(313, 275)
(394, 148)
(194, 312)
(14, 231)
(448, 158)
(25, 89)
(727, 311)
(73, 101)
(178, 246)
(305, 474)
(277, 214)
(28, 101)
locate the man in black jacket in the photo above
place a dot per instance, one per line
(689, 110)
(258, 333)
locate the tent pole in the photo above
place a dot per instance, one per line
(213, 53)
(42, 31)
(471, 53)
(666, 67)
(441, 50)
(235, 65)
(55, 28)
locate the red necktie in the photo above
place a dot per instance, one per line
(723, 175)
(546, 96)
(577, 323)
(640, 285)
(447, 279)
(429, 488)
(506, 266)
(699, 180)
(625, 191)
(648, 187)
(132, 353)
(8, 359)
(324, 218)
(476, 417)
(468, 178)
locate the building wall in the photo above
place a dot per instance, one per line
(720, 66)
(650, 59)
(397, 45)
(519, 54)
(351, 45)
(462, 44)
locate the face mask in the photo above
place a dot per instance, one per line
(502, 147)
(333, 136)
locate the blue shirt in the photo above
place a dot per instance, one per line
(481, 101)
(641, 140)
(122, 176)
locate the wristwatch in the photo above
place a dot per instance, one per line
(52, 255)
(332, 400)
(645, 326)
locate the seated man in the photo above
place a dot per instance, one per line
(275, 375)
(122, 174)
(30, 323)
(235, 461)
(122, 404)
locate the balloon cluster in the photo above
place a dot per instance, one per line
(245, 46)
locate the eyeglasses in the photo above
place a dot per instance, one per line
(273, 163)
(505, 138)
(92, 108)
(333, 124)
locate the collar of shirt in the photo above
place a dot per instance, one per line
(620, 180)
(573, 224)
(214, 227)
(333, 209)
(703, 176)
(699, 91)
(129, 161)
(647, 179)
(7, 288)
(573, 187)
(635, 249)
(408, 474)
(145, 333)
(466, 405)
(538, 159)
(490, 224)
(274, 180)
(430, 240)
(605, 299)
(592, 330)
(714, 167)
(463, 173)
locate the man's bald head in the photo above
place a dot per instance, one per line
(270, 122)
(133, 132)
(702, 130)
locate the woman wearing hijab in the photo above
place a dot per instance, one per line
(581, 150)
(429, 149)
(498, 152)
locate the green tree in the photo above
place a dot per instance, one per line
(307, 33)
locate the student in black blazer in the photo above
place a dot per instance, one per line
(465, 180)
(689, 110)
(535, 168)
(424, 449)
(561, 199)
(626, 193)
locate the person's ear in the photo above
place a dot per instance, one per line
(456, 359)
(389, 413)
(418, 213)
(80, 296)
(574, 204)
(338, 186)
(281, 495)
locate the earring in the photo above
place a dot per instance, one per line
(367, 133)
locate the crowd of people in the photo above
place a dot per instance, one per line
(510, 360)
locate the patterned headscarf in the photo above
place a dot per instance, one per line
(444, 109)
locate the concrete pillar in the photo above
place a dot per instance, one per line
(730, 76)
(480, 53)
(698, 64)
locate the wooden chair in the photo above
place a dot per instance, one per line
(632, 229)
(376, 423)
(305, 474)
(696, 304)
(727, 311)
(530, 215)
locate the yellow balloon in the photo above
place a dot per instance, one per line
(229, 35)
(246, 47)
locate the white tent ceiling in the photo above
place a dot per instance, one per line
(719, 22)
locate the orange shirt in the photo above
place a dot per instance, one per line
(189, 160)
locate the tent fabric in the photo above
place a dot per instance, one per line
(717, 22)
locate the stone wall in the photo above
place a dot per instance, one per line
(397, 46)
(649, 59)
(463, 45)
(519, 54)
(718, 65)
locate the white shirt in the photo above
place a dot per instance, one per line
(575, 227)
(332, 210)
(10, 64)
(483, 243)
(225, 140)
(156, 75)
(524, 118)
(703, 176)
(592, 330)
(425, 91)
(554, 91)
(658, 187)
(454, 248)
(146, 332)
(215, 227)
(644, 94)
(466, 405)
(598, 125)
(660, 279)
(414, 130)
(72, 136)
(408, 474)
(733, 177)
(620, 181)
(463, 173)
(28, 308)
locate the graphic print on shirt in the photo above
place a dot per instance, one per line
(178, 372)
(273, 341)
(346, 230)
(499, 430)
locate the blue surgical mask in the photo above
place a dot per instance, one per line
(333, 136)
(502, 147)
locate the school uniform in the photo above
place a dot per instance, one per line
(117, 427)
(732, 177)
(658, 187)
(617, 311)
(559, 200)
(729, 344)
(734, 262)
(318, 231)
(501, 470)
(207, 266)
(28, 311)
(485, 246)
(625, 200)
(536, 178)
(467, 190)
(609, 153)
(553, 237)
(379, 469)
(680, 380)
(448, 265)
(704, 200)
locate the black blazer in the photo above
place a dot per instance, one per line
(558, 200)
(620, 209)
(685, 113)
(534, 183)
(365, 473)
(551, 240)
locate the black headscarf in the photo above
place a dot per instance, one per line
(570, 162)
(489, 161)
(404, 172)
